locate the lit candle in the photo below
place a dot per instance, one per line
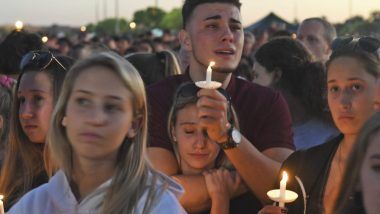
(209, 72)
(1, 204)
(283, 189)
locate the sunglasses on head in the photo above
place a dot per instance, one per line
(38, 60)
(368, 44)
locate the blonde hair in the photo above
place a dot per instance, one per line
(133, 171)
(181, 103)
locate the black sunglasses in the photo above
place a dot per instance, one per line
(368, 44)
(39, 60)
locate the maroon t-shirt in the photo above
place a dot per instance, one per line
(263, 114)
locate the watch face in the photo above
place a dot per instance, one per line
(236, 136)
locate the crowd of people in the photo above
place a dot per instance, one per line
(118, 125)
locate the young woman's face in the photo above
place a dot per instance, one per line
(197, 152)
(35, 95)
(370, 176)
(261, 75)
(99, 114)
(350, 94)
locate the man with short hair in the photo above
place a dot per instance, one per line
(213, 31)
(317, 35)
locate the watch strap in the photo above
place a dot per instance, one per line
(229, 144)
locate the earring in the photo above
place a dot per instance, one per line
(64, 121)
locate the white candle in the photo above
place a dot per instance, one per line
(283, 189)
(209, 72)
(1, 204)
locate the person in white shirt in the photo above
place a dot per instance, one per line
(98, 139)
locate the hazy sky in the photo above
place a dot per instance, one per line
(79, 12)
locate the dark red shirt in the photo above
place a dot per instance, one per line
(263, 114)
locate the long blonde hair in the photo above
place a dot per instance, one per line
(134, 174)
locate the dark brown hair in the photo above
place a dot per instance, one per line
(190, 5)
(300, 77)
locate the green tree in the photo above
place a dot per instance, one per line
(91, 27)
(351, 26)
(108, 26)
(361, 27)
(172, 20)
(148, 18)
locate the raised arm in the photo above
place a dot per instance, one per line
(258, 169)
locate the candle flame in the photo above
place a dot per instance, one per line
(1, 197)
(212, 63)
(284, 176)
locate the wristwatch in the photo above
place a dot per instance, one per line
(234, 139)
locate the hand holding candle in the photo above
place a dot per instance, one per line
(282, 195)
